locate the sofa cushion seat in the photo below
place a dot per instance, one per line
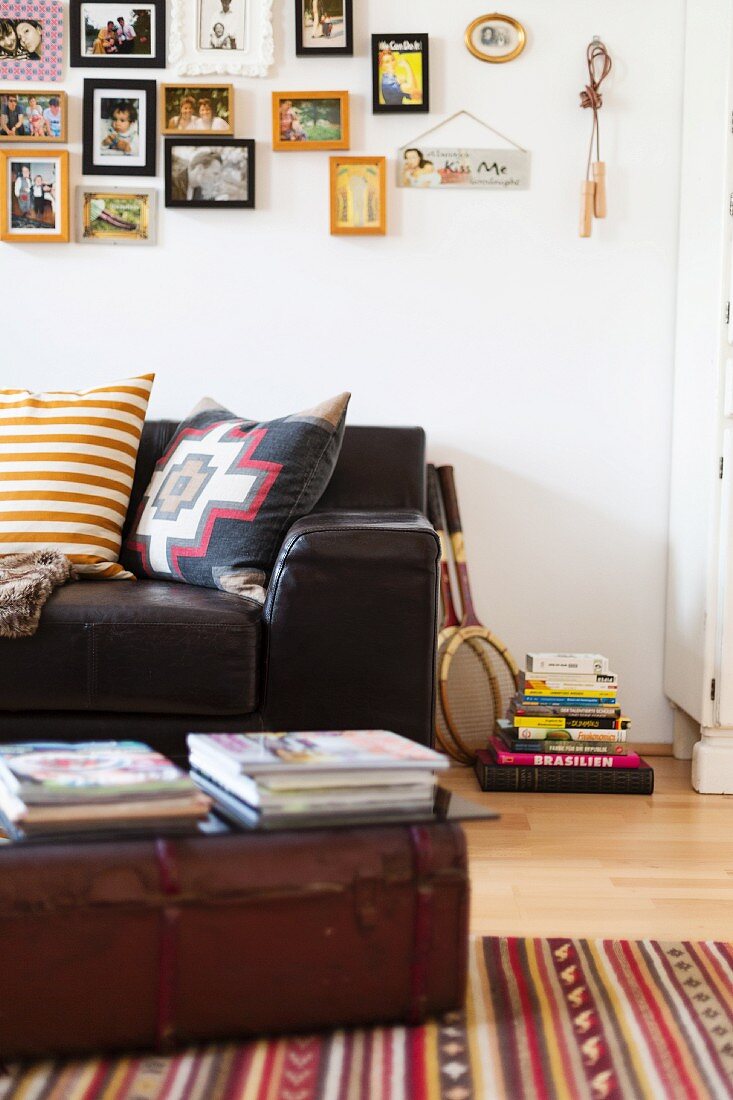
(147, 646)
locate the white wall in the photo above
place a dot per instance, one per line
(540, 364)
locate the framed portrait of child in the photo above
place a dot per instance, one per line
(119, 128)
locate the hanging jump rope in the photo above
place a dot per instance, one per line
(593, 192)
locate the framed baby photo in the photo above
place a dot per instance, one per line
(400, 74)
(232, 37)
(210, 172)
(358, 196)
(310, 120)
(32, 116)
(496, 38)
(119, 128)
(197, 108)
(323, 28)
(31, 40)
(108, 35)
(34, 196)
(115, 215)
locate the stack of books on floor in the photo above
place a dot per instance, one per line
(280, 780)
(94, 790)
(564, 732)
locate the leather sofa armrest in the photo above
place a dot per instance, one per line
(350, 624)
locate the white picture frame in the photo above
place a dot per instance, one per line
(190, 53)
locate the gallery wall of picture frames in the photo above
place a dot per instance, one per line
(205, 163)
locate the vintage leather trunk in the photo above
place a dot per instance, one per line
(151, 944)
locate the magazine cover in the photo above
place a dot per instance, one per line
(258, 752)
(47, 771)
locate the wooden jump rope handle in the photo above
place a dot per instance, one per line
(599, 197)
(453, 517)
(587, 199)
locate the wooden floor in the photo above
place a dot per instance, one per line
(603, 865)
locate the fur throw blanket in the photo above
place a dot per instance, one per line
(26, 582)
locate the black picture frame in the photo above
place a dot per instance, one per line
(211, 142)
(393, 42)
(347, 50)
(89, 168)
(79, 60)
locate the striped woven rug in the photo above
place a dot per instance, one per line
(544, 1019)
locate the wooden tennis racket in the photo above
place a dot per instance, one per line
(450, 620)
(474, 694)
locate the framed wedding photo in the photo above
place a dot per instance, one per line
(34, 196)
(197, 108)
(358, 196)
(115, 215)
(495, 38)
(32, 116)
(210, 172)
(323, 28)
(119, 128)
(31, 40)
(400, 74)
(232, 37)
(108, 35)
(303, 121)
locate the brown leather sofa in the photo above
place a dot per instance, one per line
(345, 640)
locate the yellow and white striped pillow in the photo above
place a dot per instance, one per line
(67, 462)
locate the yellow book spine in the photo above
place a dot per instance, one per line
(541, 723)
(542, 693)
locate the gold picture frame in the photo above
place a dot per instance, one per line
(358, 211)
(512, 29)
(190, 91)
(42, 96)
(115, 215)
(299, 118)
(55, 197)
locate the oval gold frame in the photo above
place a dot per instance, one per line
(521, 35)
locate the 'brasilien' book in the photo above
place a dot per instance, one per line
(506, 777)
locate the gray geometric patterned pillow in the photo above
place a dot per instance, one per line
(226, 491)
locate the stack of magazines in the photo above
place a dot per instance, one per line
(51, 790)
(276, 780)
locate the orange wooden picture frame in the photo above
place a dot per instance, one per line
(165, 128)
(304, 146)
(59, 236)
(46, 93)
(339, 227)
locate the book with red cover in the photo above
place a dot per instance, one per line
(504, 757)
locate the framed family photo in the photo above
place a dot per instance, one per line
(232, 37)
(495, 38)
(197, 108)
(34, 196)
(310, 120)
(358, 196)
(32, 116)
(210, 172)
(119, 128)
(117, 215)
(323, 28)
(400, 74)
(105, 34)
(31, 40)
